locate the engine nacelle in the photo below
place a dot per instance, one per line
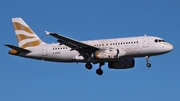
(108, 54)
(122, 64)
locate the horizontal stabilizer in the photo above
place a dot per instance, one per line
(17, 48)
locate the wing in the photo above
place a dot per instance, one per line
(82, 48)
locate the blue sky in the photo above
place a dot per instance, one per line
(32, 80)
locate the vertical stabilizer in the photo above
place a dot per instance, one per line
(25, 35)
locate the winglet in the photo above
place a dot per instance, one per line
(47, 33)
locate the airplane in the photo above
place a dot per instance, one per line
(119, 53)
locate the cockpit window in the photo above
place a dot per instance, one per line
(159, 40)
(156, 40)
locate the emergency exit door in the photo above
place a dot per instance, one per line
(145, 42)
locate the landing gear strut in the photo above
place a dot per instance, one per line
(147, 60)
(99, 71)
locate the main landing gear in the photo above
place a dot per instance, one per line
(88, 66)
(147, 60)
(99, 71)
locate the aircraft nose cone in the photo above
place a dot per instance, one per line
(169, 47)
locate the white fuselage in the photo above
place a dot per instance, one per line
(119, 53)
(133, 47)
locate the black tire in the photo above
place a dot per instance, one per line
(99, 71)
(148, 65)
(88, 66)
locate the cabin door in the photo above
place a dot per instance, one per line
(44, 50)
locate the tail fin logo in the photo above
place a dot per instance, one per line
(24, 34)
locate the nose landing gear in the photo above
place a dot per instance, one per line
(148, 65)
(147, 60)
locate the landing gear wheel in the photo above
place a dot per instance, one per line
(99, 71)
(148, 65)
(147, 60)
(88, 66)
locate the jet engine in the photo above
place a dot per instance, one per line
(108, 54)
(122, 64)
